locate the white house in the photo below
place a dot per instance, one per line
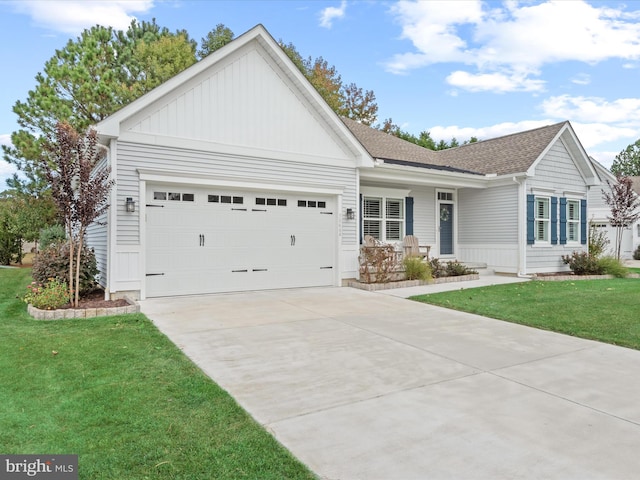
(599, 213)
(242, 178)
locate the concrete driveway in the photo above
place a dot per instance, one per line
(361, 385)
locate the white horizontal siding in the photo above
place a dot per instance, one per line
(424, 207)
(134, 156)
(557, 174)
(488, 216)
(557, 171)
(96, 239)
(241, 101)
(501, 257)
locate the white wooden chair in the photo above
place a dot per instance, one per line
(412, 248)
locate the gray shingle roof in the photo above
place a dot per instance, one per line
(513, 153)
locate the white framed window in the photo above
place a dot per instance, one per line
(542, 219)
(383, 218)
(573, 221)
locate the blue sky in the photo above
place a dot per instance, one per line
(454, 68)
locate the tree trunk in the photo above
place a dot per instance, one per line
(71, 257)
(77, 292)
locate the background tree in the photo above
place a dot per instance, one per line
(359, 105)
(215, 39)
(89, 79)
(79, 190)
(30, 214)
(624, 205)
(10, 241)
(424, 139)
(346, 100)
(627, 162)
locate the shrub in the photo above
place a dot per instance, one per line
(449, 269)
(612, 266)
(581, 263)
(51, 235)
(415, 268)
(456, 269)
(377, 263)
(48, 296)
(598, 240)
(53, 262)
(437, 268)
(636, 253)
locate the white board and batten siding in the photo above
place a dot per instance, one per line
(488, 227)
(555, 175)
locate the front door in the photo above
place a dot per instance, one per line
(446, 229)
(445, 222)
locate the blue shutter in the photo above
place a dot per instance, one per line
(563, 221)
(553, 220)
(583, 222)
(409, 215)
(531, 209)
(360, 222)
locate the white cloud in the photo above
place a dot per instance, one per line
(512, 40)
(625, 111)
(495, 82)
(74, 16)
(329, 14)
(593, 134)
(604, 158)
(446, 133)
(582, 79)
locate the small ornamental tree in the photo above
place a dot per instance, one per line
(78, 188)
(625, 207)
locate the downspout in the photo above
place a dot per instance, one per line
(107, 294)
(522, 229)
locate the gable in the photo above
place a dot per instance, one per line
(245, 99)
(557, 169)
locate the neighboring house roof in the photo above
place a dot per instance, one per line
(635, 184)
(509, 154)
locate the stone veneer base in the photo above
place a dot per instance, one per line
(66, 313)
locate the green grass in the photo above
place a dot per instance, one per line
(120, 395)
(633, 270)
(604, 310)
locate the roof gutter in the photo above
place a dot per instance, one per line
(385, 172)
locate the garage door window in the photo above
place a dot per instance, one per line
(312, 204)
(174, 196)
(225, 199)
(275, 202)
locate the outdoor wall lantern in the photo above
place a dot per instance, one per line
(131, 205)
(350, 214)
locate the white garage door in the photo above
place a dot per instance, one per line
(207, 240)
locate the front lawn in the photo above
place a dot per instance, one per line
(118, 393)
(604, 310)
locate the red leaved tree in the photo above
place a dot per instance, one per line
(625, 207)
(79, 189)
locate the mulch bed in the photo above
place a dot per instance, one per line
(96, 299)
